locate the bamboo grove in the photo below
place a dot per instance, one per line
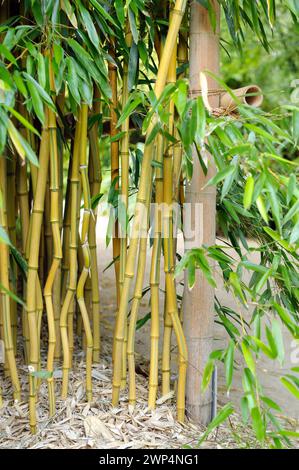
(75, 74)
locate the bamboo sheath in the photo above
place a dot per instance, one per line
(7, 334)
(142, 199)
(198, 303)
(73, 269)
(32, 276)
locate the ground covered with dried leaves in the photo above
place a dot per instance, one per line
(78, 425)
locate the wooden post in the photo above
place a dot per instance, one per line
(198, 304)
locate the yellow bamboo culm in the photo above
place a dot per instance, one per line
(114, 158)
(124, 192)
(85, 249)
(168, 174)
(96, 180)
(7, 334)
(23, 201)
(32, 275)
(171, 303)
(73, 268)
(155, 278)
(57, 249)
(11, 227)
(135, 303)
(142, 200)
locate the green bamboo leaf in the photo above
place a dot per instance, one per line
(295, 127)
(72, 80)
(270, 403)
(191, 273)
(278, 239)
(222, 415)
(133, 26)
(22, 120)
(36, 102)
(248, 192)
(260, 203)
(221, 175)
(133, 66)
(7, 54)
(292, 212)
(207, 374)
(88, 24)
(290, 387)
(103, 12)
(11, 294)
(267, 351)
(120, 11)
(69, 11)
(142, 321)
(19, 82)
(43, 94)
(278, 338)
(229, 363)
(248, 357)
(291, 187)
(41, 70)
(258, 424)
(128, 109)
(275, 205)
(294, 237)
(263, 280)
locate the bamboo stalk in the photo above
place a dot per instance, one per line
(34, 244)
(171, 304)
(23, 199)
(142, 199)
(85, 249)
(4, 278)
(73, 268)
(198, 303)
(95, 189)
(155, 278)
(11, 226)
(124, 155)
(112, 73)
(135, 307)
(57, 249)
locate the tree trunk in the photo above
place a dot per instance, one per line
(198, 305)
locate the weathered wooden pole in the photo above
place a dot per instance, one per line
(198, 304)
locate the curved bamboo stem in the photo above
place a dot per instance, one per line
(57, 249)
(73, 245)
(85, 249)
